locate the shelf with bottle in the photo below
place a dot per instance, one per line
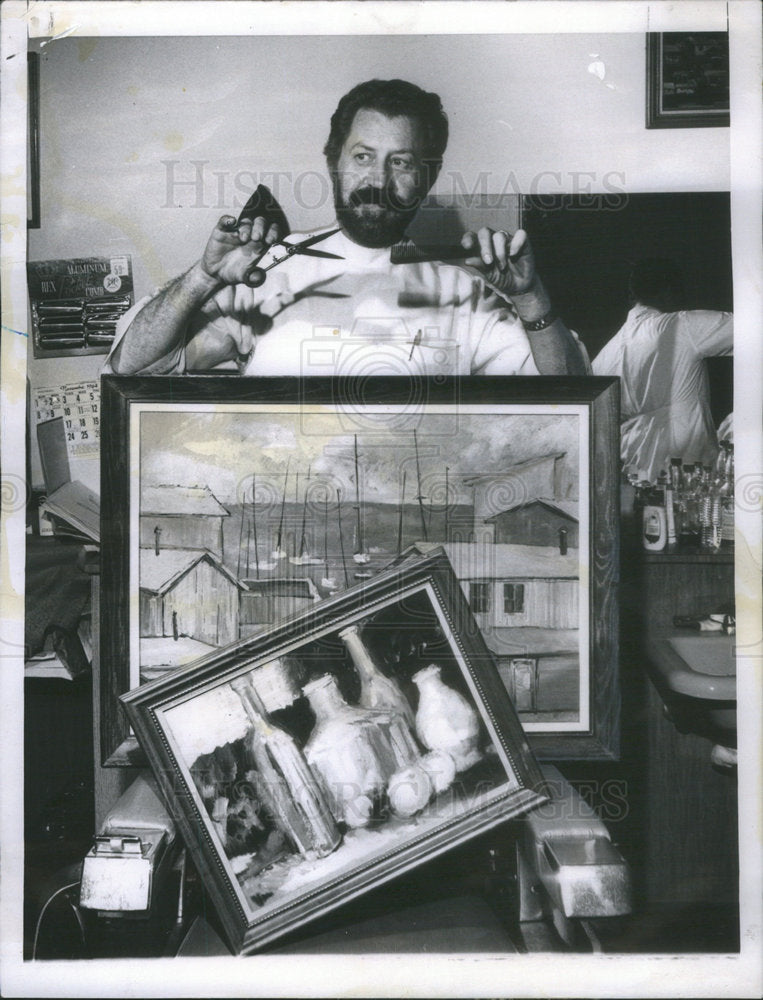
(690, 509)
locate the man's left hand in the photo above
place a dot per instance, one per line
(506, 263)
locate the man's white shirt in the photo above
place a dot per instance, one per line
(359, 316)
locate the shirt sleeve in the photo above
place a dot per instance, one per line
(221, 316)
(122, 324)
(711, 333)
(170, 364)
(609, 360)
(502, 347)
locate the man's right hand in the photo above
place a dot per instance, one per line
(233, 250)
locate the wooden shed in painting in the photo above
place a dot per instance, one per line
(182, 517)
(540, 521)
(526, 600)
(267, 600)
(511, 489)
(189, 593)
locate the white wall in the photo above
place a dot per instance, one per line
(526, 113)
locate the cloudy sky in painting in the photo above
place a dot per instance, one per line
(222, 449)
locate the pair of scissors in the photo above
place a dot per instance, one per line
(263, 204)
(304, 247)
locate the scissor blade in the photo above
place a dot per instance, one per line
(316, 239)
(303, 247)
(318, 253)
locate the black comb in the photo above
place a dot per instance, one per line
(412, 253)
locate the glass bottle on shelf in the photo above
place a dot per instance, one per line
(381, 694)
(654, 534)
(710, 510)
(665, 487)
(640, 499)
(285, 781)
(689, 531)
(727, 496)
(675, 485)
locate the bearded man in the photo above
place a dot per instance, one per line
(487, 314)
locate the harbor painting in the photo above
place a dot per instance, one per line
(249, 514)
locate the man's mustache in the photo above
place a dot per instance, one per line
(369, 196)
(384, 197)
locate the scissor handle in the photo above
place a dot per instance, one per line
(263, 204)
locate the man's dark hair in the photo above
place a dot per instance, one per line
(391, 98)
(657, 282)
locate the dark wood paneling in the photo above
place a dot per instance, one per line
(691, 819)
(689, 809)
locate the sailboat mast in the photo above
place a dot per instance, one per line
(447, 504)
(326, 532)
(279, 537)
(303, 540)
(254, 531)
(359, 535)
(296, 502)
(400, 518)
(341, 538)
(420, 497)
(240, 540)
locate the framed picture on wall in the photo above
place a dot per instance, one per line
(230, 504)
(687, 79)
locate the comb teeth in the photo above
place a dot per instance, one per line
(410, 253)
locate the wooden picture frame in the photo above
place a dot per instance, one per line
(296, 769)
(687, 79)
(505, 471)
(33, 140)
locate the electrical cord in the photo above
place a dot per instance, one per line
(49, 900)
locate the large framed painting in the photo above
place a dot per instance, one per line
(230, 503)
(312, 761)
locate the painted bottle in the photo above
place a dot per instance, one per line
(381, 695)
(349, 753)
(286, 783)
(445, 720)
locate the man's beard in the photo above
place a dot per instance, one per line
(380, 225)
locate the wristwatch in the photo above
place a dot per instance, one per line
(540, 324)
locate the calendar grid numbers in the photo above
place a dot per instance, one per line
(79, 405)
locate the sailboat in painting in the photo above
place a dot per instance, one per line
(304, 558)
(259, 564)
(328, 582)
(279, 552)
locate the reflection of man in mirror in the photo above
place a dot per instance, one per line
(659, 355)
(489, 313)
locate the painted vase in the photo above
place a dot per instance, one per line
(349, 753)
(445, 720)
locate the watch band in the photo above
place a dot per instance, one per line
(540, 324)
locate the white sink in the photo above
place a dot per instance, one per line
(697, 676)
(706, 666)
